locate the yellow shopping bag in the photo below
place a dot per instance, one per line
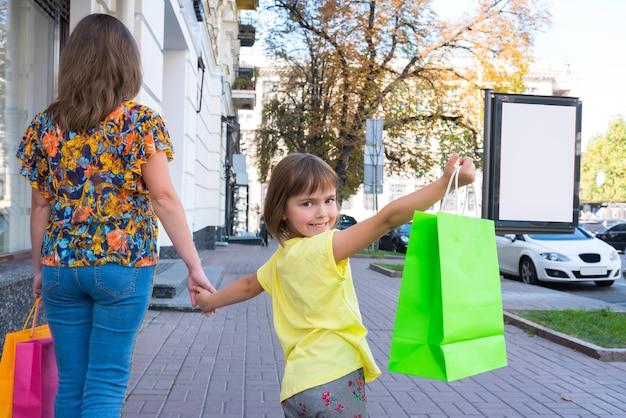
(7, 365)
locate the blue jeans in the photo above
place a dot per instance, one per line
(94, 314)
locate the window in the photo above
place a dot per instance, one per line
(396, 191)
(619, 228)
(30, 40)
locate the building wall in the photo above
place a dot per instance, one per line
(187, 73)
(187, 96)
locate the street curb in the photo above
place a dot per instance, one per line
(592, 350)
(379, 257)
(385, 271)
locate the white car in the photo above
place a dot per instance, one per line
(563, 257)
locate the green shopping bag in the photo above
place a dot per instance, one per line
(449, 322)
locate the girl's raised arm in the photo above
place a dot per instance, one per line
(349, 241)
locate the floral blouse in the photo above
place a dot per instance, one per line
(100, 206)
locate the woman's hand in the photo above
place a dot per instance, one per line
(37, 285)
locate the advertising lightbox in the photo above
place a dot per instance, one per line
(532, 162)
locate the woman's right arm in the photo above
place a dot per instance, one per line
(169, 209)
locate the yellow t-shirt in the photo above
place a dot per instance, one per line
(316, 314)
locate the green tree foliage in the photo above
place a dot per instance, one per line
(605, 156)
(344, 62)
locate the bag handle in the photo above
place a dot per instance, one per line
(34, 313)
(455, 177)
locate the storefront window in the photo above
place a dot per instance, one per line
(29, 49)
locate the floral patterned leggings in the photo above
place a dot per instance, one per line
(344, 397)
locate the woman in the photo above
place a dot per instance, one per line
(98, 165)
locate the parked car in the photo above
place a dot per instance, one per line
(614, 236)
(346, 221)
(397, 239)
(575, 257)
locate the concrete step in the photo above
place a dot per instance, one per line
(244, 240)
(169, 290)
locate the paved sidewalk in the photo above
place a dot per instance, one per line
(230, 365)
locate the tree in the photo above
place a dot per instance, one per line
(345, 62)
(603, 169)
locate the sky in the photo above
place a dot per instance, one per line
(591, 36)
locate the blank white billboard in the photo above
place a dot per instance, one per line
(537, 156)
(532, 162)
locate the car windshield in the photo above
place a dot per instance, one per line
(406, 228)
(577, 235)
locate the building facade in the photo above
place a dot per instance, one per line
(190, 55)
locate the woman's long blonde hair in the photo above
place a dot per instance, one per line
(100, 67)
(294, 175)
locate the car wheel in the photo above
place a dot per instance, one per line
(527, 271)
(604, 283)
(396, 247)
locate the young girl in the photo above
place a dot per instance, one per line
(316, 313)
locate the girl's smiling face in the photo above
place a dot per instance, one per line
(311, 214)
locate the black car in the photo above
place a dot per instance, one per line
(615, 236)
(397, 239)
(345, 221)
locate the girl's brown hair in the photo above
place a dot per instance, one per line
(294, 175)
(100, 67)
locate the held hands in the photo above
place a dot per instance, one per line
(203, 298)
(467, 172)
(198, 280)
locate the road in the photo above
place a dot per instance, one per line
(613, 294)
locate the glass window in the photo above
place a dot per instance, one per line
(575, 236)
(396, 190)
(29, 49)
(619, 228)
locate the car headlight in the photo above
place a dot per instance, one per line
(404, 239)
(614, 255)
(554, 257)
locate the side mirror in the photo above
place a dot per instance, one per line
(512, 237)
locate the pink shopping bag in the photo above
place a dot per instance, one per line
(7, 364)
(36, 379)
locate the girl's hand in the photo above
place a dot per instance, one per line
(467, 173)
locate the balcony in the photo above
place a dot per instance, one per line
(247, 34)
(247, 4)
(244, 89)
